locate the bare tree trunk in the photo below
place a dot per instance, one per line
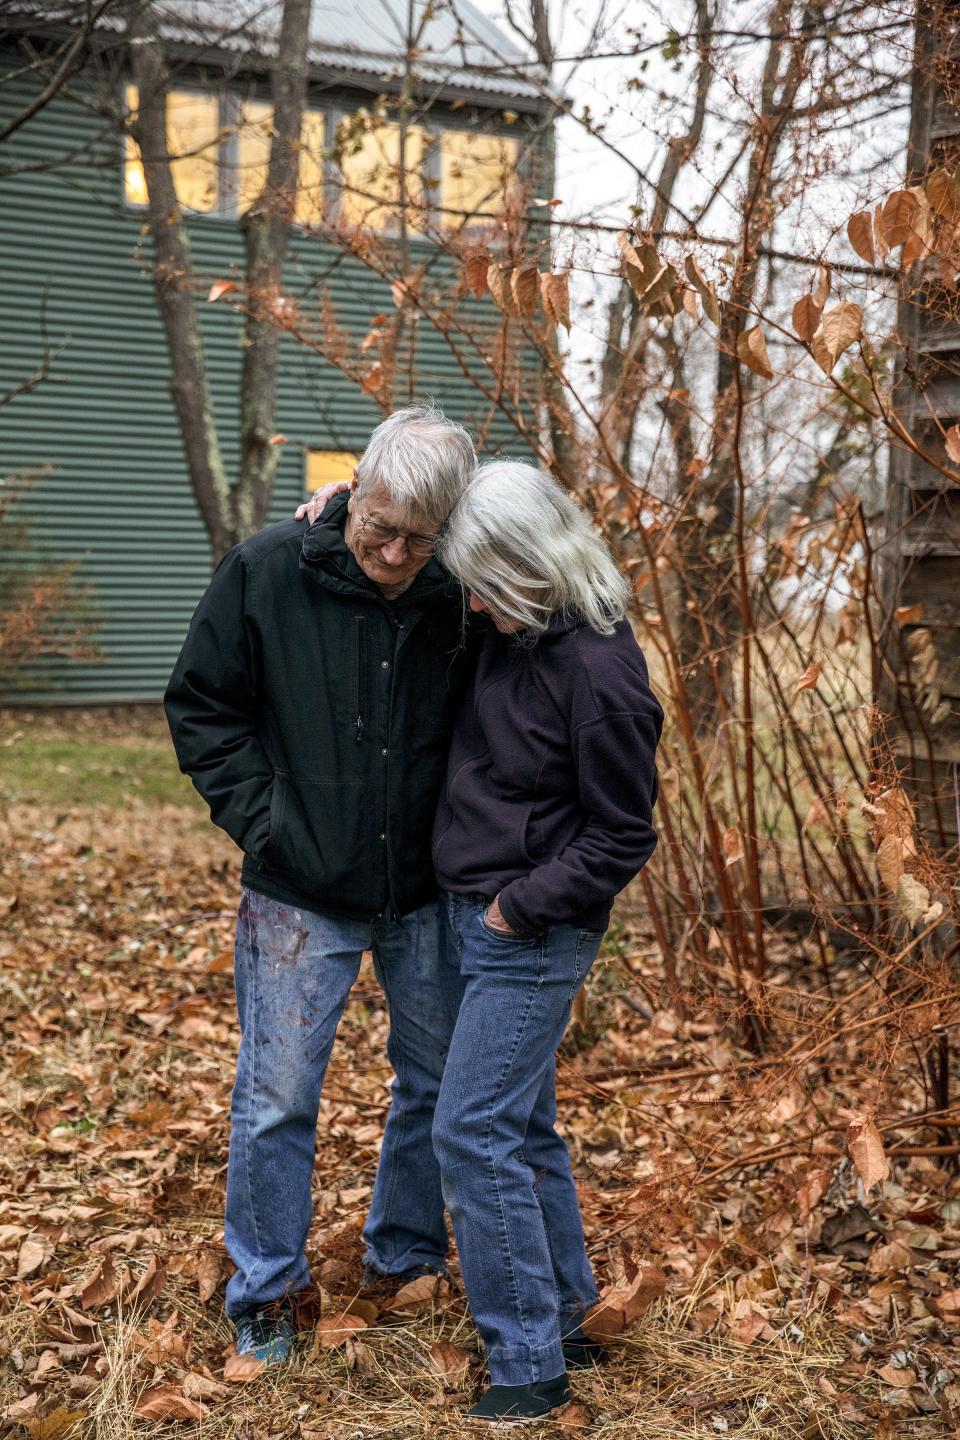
(266, 227)
(173, 281)
(230, 510)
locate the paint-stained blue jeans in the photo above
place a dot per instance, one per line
(294, 971)
(505, 1171)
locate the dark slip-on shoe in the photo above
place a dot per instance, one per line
(521, 1404)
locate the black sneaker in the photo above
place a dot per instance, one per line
(521, 1404)
(581, 1352)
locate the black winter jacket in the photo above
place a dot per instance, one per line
(314, 718)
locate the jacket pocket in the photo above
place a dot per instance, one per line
(277, 798)
(319, 841)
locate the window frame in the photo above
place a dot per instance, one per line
(222, 95)
(231, 97)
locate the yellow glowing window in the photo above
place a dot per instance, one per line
(370, 169)
(324, 467)
(310, 193)
(476, 175)
(254, 137)
(193, 139)
(253, 150)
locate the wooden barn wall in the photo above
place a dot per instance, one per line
(921, 689)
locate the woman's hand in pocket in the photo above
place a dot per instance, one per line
(495, 919)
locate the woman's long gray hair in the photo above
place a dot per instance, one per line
(518, 541)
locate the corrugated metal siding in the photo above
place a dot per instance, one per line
(120, 500)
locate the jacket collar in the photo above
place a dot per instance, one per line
(327, 560)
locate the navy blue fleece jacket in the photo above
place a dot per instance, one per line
(551, 779)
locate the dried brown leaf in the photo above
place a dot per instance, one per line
(908, 614)
(220, 288)
(555, 296)
(419, 1294)
(866, 1151)
(838, 329)
(952, 441)
(498, 279)
(806, 317)
(333, 1330)
(943, 192)
(56, 1424)
(860, 235)
(619, 1306)
(209, 1271)
(148, 1287)
(571, 1419)
(104, 1285)
(808, 680)
(20, 1409)
(900, 214)
(475, 274)
(812, 1191)
(34, 1252)
(373, 380)
(705, 288)
(821, 286)
(890, 857)
(450, 1362)
(894, 1375)
(525, 284)
(752, 352)
(201, 1387)
(239, 1369)
(165, 1402)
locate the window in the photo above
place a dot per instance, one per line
(370, 172)
(476, 174)
(254, 130)
(254, 136)
(313, 136)
(193, 139)
(324, 467)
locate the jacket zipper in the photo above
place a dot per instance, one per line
(360, 671)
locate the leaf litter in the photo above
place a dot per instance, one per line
(776, 1256)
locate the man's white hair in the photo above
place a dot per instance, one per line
(519, 542)
(422, 460)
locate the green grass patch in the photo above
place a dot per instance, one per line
(46, 769)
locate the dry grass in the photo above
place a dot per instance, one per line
(119, 1037)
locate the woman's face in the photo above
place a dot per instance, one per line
(505, 626)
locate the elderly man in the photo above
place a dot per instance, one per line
(312, 706)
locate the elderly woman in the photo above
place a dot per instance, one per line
(545, 816)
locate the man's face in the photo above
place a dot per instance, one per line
(392, 566)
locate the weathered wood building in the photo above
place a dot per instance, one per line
(921, 686)
(75, 276)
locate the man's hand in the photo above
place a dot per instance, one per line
(315, 506)
(495, 920)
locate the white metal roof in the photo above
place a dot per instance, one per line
(460, 49)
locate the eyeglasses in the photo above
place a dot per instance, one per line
(378, 535)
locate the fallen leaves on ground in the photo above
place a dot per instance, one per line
(163, 1402)
(793, 1280)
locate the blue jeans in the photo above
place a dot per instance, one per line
(293, 974)
(504, 1170)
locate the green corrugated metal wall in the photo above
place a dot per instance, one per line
(119, 501)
